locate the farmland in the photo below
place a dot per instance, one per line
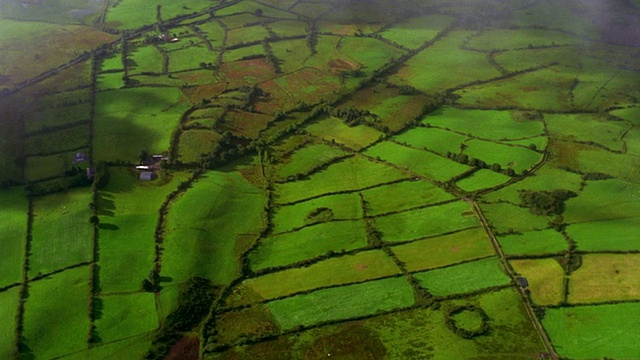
(265, 179)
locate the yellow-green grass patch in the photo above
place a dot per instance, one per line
(414, 32)
(127, 227)
(285, 28)
(193, 143)
(335, 271)
(308, 158)
(424, 71)
(533, 243)
(8, 311)
(508, 218)
(464, 278)
(13, 228)
(129, 121)
(604, 200)
(342, 302)
(251, 7)
(307, 243)
(111, 63)
(58, 141)
(429, 221)
(334, 129)
(606, 277)
(340, 207)
(60, 302)
(444, 250)
(245, 35)
(126, 315)
(145, 59)
(243, 52)
(504, 39)
(438, 140)
(422, 162)
(482, 179)
(545, 278)
(589, 128)
(351, 174)
(369, 52)
(135, 14)
(486, 124)
(190, 58)
(62, 234)
(625, 167)
(515, 60)
(603, 235)
(292, 54)
(513, 157)
(594, 332)
(402, 195)
(221, 206)
(110, 81)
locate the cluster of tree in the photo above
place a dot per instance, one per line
(312, 37)
(194, 302)
(228, 148)
(270, 58)
(250, 94)
(423, 297)
(373, 236)
(545, 202)
(318, 215)
(467, 333)
(352, 116)
(477, 163)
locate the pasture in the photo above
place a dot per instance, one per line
(343, 302)
(507, 218)
(461, 246)
(14, 212)
(333, 129)
(603, 235)
(533, 243)
(8, 311)
(427, 221)
(193, 143)
(520, 159)
(435, 139)
(545, 277)
(482, 179)
(415, 31)
(307, 243)
(605, 277)
(401, 196)
(62, 235)
(125, 316)
(463, 278)
(308, 158)
(594, 331)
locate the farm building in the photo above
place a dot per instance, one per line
(147, 176)
(522, 281)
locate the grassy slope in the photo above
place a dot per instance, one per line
(220, 206)
(8, 311)
(126, 315)
(13, 229)
(401, 196)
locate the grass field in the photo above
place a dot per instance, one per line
(246, 35)
(507, 218)
(126, 315)
(131, 120)
(356, 137)
(438, 140)
(308, 243)
(204, 243)
(604, 200)
(196, 142)
(342, 302)
(288, 27)
(606, 277)
(8, 311)
(49, 166)
(136, 346)
(429, 221)
(463, 278)
(414, 32)
(342, 207)
(401, 196)
(127, 226)
(62, 234)
(616, 234)
(545, 278)
(444, 250)
(520, 38)
(369, 52)
(134, 14)
(58, 141)
(145, 59)
(422, 71)
(110, 81)
(517, 158)
(533, 243)
(54, 116)
(239, 53)
(307, 158)
(13, 229)
(60, 302)
(422, 162)
(592, 128)
(482, 179)
(335, 271)
(588, 332)
(190, 58)
(352, 174)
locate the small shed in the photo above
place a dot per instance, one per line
(80, 157)
(147, 176)
(522, 281)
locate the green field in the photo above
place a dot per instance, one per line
(190, 58)
(342, 207)
(62, 235)
(429, 221)
(308, 158)
(346, 269)
(588, 128)
(520, 38)
(482, 179)
(333, 129)
(402, 196)
(517, 158)
(193, 143)
(463, 278)
(533, 243)
(416, 31)
(342, 302)
(14, 211)
(604, 200)
(54, 116)
(132, 120)
(545, 278)
(615, 234)
(351, 174)
(308, 243)
(127, 225)
(61, 302)
(587, 332)
(126, 315)
(233, 207)
(421, 162)
(507, 218)
(444, 250)
(434, 139)
(59, 141)
(130, 14)
(145, 59)
(8, 312)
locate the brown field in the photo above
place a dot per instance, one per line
(310, 85)
(246, 72)
(242, 123)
